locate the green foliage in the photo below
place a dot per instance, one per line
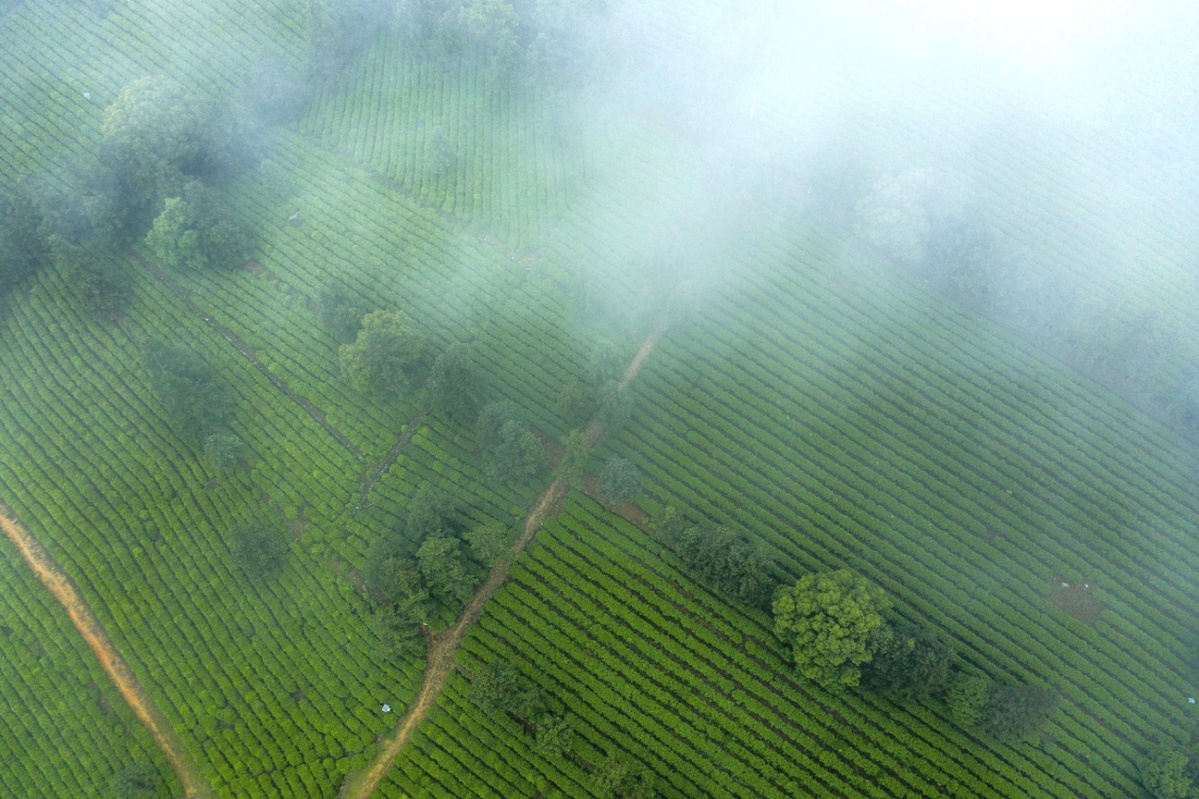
(619, 481)
(341, 312)
(380, 360)
(138, 781)
(259, 546)
(827, 618)
(555, 734)
(723, 561)
(1169, 772)
(196, 401)
(23, 245)
(908, 662)
(489, 544)
(224, 449)
(431, 512)
(153, 134)
(397, 627)
(499, 687)
(444, 571)
(192, 232)
(1018, 710)
(968, 697)
(454, 383)
(511, 452)
(95, 276)
(574, 459)
(575, 403)
(607, 363)
(174, 238)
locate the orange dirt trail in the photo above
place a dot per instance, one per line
(64, 590)
(443, 647)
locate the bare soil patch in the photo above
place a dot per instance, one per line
(1075, 598)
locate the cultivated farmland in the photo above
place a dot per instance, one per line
(1021, 498)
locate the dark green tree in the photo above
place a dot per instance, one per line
(908, 662)
(498, 687)
(259, 546)
(381, 359)
(193, 232)
(174, 238)
(607, 363)
(968, 696)
(443, 569)
(554, 736)
(723, 561)
(138, 780)
(455, 383)
(94, 274)
(224, 449)
(575, 403)
(510, 450)
(574, 459)
(828, 618)
(1169, 772)
(341, 312)
(489, 544)
(1018, 710)
(197, 402)
(619, 481)
(431, 512)
(154, 134)
(23, 245)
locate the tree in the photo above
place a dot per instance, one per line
(499, 687)
(174, 237)
(723, 561)
(1018, 710)
(968, 697)
(574, 459)
(341, 312)
(23, 247)
(454, 383)
(575, 403)
(196, 401)
(443, 569)
(489, 544)
(193, 232)
(259, 546)
(431, 512)
(224, 449)
(619, 481)
(138, 780)
(488, 28)
(907, 662)
(611, 776)
(510, 450)
(102, 286)
(607, 363)
(828, 618)
(153, 135)
(380, 359)
(554, 736)
(1168, 772)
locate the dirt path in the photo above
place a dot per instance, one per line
(52, 575)
(444, 645)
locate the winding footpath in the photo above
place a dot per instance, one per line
(444, 645)
(64, 590)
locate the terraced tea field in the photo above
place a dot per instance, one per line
(835, 410)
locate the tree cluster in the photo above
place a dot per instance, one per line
(1007, 711)
(598, 394)
(423, 568)
(510, 450)
(1171, 771)
(259, 546)
(714, 555)
(383, 357)
(198, 404)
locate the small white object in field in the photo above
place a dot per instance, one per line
(87, 95)
(1065, 585)
(1190, 700)
(387, 708)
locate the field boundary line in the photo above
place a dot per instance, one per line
(64, 590)
(444, 646)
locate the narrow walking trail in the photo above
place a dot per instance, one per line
(444, 645)
(54, 578)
